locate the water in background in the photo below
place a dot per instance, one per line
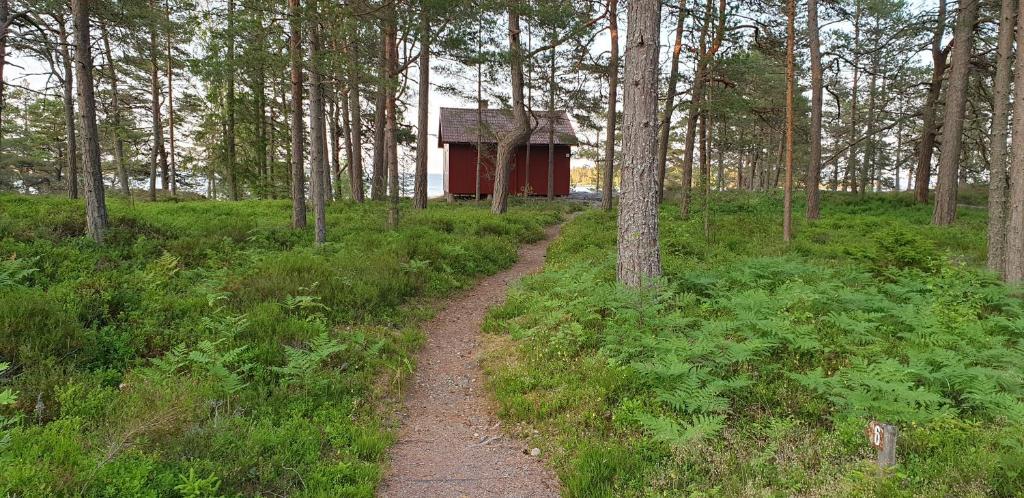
(435, 185)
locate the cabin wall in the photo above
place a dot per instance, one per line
(460, 170)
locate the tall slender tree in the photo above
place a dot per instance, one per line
(115, 111)
(158, 154)
(390, 111)
(355, 128)
(813, 181)
(317, 136)
(704, 60)
(926, 146)
(95, 203)
(519, 133)
(298, 173)
(1000, 113)
(787, 202)
(229, 129)
(953, 119)
(670, 98)
(423, 110)
(67, 84)
(1014, 269)
(613, 86)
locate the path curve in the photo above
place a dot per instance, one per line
(450, 444)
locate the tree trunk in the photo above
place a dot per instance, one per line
(356, 128)
(696, 96)
(419, 200)
(720, 149)
(520, 132)
(378, 187)
(953, 118)
(173, 177)
(670, 100)
(71, 148)
(158, 152)
(5, 12)
(639, 259)
(927, 144)
(704, 58)
(95, 204)
(853, 163)
(1014, 269)
(298, 173)
(551, 125)
(479, 113)
(346, 136)
(115, 104)
(1000, 112)
(333, 124)
(317, 138)
(390, 117)
(814, 168)
(787, 199)
(871, 145)
(271, 145)
(613, 88)
(230, 111)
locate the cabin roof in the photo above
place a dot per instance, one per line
(460, 126)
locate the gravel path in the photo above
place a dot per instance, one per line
(450, 442)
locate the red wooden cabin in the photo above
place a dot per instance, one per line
(459, 134)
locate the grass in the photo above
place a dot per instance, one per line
(208, 349)
(753, 367)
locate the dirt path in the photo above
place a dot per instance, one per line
(450, 443)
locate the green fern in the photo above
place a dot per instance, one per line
(303, 364)
(14, 272)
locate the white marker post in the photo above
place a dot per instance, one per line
(883, 438)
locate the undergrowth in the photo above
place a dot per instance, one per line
(208, 349)
(752, 368)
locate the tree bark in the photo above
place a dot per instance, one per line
(71, 147)
(298, 172)
(158, 154)
(639, 258)
(552, 88)
(378, 182)
(419, 200)
(997, 189)
(814, 168)
(317, 138)
(953, 118)
(5, 12)
(173, 176)
(704, 58)
(95, 204)
(230, 111)
(613, 88)
(333, 124)
(479, 112)
(115, 104)
(390, 111)
(520, 132)
(356, 129)
(853, 163)
(670, 99)
(926, 146)
(787, 199)
(346, 137)
(1014, 269)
